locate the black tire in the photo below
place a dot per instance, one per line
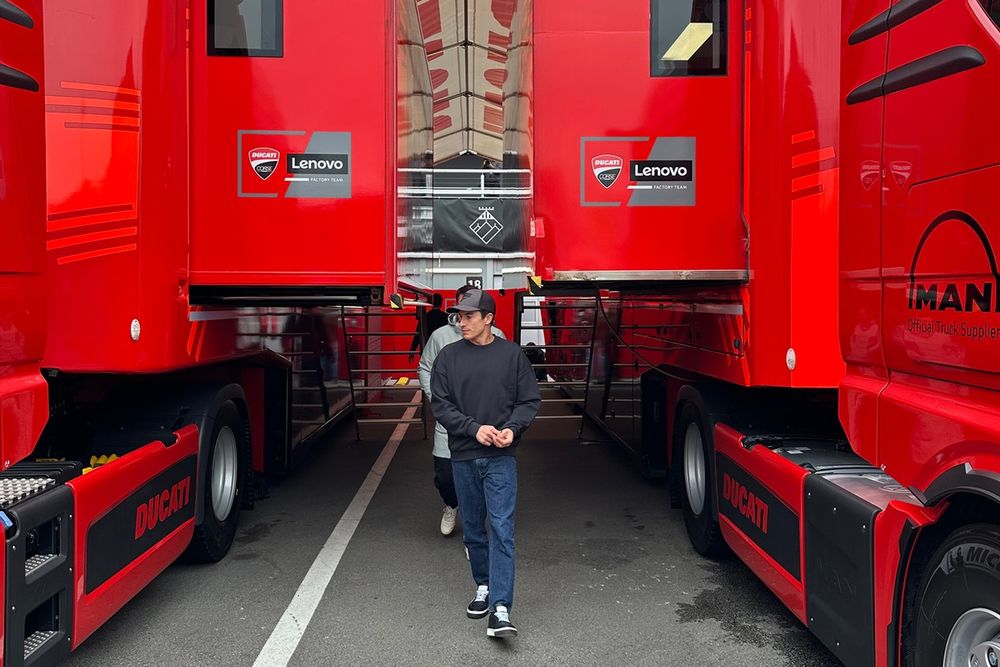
(214, 536)
(702, 528)
(962, 575)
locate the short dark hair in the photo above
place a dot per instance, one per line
(437, 300)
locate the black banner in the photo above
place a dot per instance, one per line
(759, 514)
(480, 225)
(140, 521)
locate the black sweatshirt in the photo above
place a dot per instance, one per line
(474, 385)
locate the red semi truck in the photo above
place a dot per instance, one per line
(811, 306)
(192, 341)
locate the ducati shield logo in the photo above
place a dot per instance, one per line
(264, 161)
(607, 168)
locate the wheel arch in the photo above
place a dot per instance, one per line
(203, 405)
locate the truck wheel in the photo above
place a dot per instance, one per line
(223, 487)
(694, 454)
(954, 618)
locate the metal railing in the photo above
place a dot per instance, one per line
(465, 183)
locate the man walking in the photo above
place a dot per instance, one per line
(443, 479)
(485, 394)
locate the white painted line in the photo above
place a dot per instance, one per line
(295, 178)
(285, 637)
(640, 187)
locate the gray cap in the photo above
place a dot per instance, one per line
(475, 299)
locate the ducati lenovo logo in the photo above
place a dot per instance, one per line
(661, 170)
(264, 161)
(607, 168)
(317, 163)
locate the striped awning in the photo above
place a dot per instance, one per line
(467, 43)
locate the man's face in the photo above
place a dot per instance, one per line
(473, 323)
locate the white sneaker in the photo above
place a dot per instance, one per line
(448, 520)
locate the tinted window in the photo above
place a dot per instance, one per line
(687, 37)
(245, 28)
(992, 8)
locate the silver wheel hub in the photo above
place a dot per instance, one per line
(974, 640)
(694, 468)
(224, 473)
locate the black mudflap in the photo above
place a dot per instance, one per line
(653, 446)
(840, 549)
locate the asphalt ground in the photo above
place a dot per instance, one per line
(605, 574)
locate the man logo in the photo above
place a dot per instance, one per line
(939, 286)
(607, 168)
(264, 161)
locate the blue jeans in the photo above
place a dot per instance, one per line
(487, 489)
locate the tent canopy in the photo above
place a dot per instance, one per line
(467, 43)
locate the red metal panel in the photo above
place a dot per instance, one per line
(294, 104)
(23, 392)
(96, 494)
(940, 228)
(785, 480)
(784, 587)
(117, 181)
(889, 526)
(592, 79)
(861, 212)
(118, 205)
(780, 329)
(940, 207)
(791, 180)
(925, 428)
(702, 330)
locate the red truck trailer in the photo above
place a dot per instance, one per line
(796, 292)
(199, 223)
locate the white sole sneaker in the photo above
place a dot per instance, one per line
(501, 632)
(448, 521)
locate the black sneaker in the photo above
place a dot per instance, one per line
(481, 605)
(499, 624)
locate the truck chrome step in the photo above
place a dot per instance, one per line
(15, 489)
(35, 562)
(36, 641)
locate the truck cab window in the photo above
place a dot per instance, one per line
(245, 28)
(992, 8)
(687, 37)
